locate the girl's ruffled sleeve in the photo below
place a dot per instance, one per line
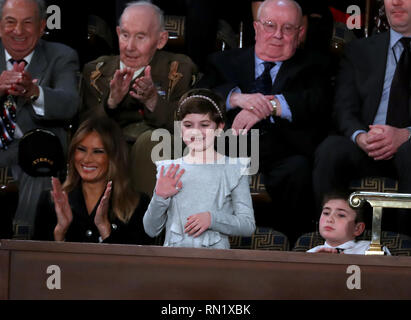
(240, 221)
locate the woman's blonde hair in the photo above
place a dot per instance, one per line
(123, 199)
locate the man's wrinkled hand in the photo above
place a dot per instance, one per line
(119, 86)
(244, 121)
(384, 140)
(145, 90)
(257, 103)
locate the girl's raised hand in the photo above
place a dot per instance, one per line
(169, 184)
(197, 223)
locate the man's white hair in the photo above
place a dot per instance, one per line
(297, 6)
(157, 11)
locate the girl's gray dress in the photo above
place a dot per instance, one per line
(221, 189)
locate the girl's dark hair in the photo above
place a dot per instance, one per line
(202, 101)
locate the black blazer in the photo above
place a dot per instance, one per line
(360, 83)
(83, 229)
(304, 80)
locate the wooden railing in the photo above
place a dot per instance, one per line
(378, 201)
(51, 270)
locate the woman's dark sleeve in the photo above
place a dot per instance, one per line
(132, 232)
(46, 218)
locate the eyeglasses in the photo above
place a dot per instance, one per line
(272, 27)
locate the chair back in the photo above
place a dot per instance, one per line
(262, 239)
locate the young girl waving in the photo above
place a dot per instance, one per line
(203, 197)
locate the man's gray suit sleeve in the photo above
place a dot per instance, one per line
(61, 96)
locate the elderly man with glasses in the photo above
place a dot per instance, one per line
(282, 91)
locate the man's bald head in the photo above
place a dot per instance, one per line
(280, 3)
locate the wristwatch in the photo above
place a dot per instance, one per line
(274, 106)
(409, 133)
(34, 97)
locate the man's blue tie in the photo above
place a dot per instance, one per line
(264, 83)
(398, 103)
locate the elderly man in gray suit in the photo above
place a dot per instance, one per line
(39, 78)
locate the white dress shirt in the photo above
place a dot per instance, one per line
(350, 247)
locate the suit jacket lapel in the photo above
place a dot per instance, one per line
(36, 68)
(109, 67)
(246, 75)
(38, 64)
(2, 58)
(286, 71)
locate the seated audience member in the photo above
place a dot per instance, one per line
(372, 114)
(203, 197)
(95, 203)
(139, 88)
(317, 21)
(339, 225)
(38, 87)
(40, 156)
(282, 91)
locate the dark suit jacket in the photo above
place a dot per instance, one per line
(56, 68)
(303, 80)
(360, 83)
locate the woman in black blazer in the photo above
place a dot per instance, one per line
(96, 202)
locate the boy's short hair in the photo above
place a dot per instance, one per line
(360, 212)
